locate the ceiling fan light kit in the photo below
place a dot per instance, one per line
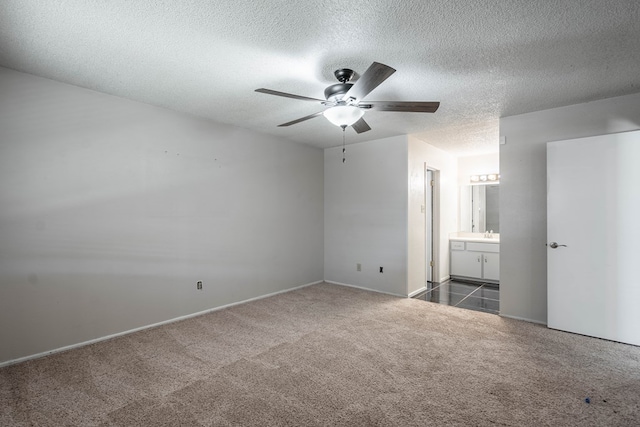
(344, 99)
(343, 115)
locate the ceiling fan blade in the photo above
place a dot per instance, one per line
(361, 126)
(404, 106)
(302, 119)
(287, 95)
(375, 74)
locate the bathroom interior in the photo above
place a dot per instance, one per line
(474, 249)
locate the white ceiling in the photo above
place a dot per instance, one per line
(482, 59)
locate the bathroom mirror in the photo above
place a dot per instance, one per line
(479, 208)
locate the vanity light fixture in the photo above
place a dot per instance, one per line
(484, 179)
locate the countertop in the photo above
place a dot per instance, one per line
(474, 237)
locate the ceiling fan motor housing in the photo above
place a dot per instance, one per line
(336, 91)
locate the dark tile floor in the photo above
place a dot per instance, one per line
(474, 296)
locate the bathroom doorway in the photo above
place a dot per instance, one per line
(431, 217)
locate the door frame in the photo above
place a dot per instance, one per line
(433, 207)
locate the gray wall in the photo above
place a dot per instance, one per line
(373, 213)
(366, 215)
(111, 211)
(523, 233)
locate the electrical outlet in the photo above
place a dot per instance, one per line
(358, 267)
(199, 285)
(381, 270)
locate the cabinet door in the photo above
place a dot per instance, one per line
(467, 264)
(491, 266)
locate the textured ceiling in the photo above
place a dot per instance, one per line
(481, 59)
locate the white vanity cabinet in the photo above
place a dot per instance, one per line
(491, 266)
(475, 260)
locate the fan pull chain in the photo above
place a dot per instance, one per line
(343, 136)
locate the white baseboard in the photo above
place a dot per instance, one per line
(365, 289)
(523, 319)
(164, 322)
(414, 293)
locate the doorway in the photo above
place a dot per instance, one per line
(432, 234)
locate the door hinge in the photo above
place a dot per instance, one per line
(430, 263)
(433, 183)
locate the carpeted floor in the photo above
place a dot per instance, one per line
(331, 355)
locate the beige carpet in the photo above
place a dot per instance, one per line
(331, 355)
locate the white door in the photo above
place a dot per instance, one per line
(593, 207)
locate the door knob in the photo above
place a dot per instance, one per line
(554, 245)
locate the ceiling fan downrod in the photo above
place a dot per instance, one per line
(344, 74)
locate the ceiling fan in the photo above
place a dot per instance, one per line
(345, 100)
